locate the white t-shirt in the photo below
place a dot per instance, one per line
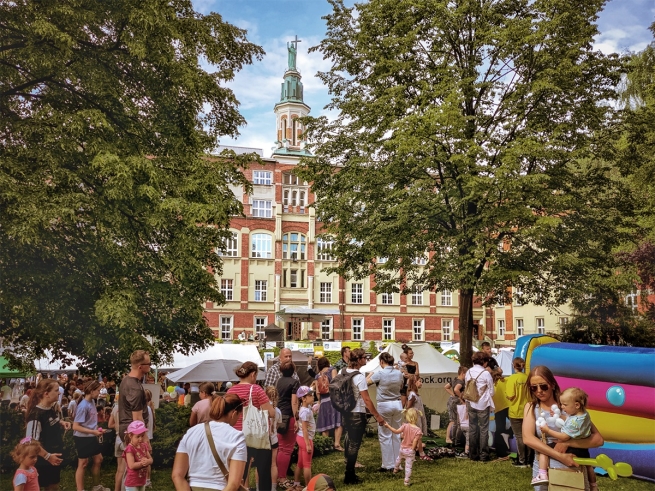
(203, 469)
(359, 381)
(151, 423)
(274, 423)
(306, 414)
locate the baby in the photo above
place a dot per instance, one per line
(400, 365)
(573, 402)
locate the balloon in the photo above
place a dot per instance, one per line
(554, 408)
(170, 389)
(623, 469)
(550, 421)
(559, 422)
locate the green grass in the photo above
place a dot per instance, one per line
(443, 475)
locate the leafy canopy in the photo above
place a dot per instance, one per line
(107, 115)
(463, 135)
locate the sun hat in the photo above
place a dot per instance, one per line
(136, 428)
(303, 390)
(321, 482)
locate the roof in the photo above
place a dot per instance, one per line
(240, 150)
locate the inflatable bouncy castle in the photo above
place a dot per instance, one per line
(620, 383)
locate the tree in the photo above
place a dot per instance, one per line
(463, 126)
(107, 119)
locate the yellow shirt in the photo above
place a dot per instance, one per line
(516, 387)
(500, 400)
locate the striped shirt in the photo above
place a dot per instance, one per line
(274, 374)
(259, 398)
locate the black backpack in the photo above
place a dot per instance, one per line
(342, 392)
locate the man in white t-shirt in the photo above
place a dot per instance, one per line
(6, 393)
(354, 422)
(479, 411)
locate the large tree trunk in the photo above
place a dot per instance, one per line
(465, 327)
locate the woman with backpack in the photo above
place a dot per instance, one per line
(328, 417)
(479, 391)
(389, 381)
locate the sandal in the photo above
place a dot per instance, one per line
(426, 458)
(338, 448)
(358, 465)
(286, 484)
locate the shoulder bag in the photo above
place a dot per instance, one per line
(255, 426)
(220, 463)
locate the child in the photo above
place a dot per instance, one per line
(25, 455)
(271, 393)
(151, 430)
(137, 456)
(414, 401)
(305, 436)
(401, 365)
(411, 435)
(573, 402)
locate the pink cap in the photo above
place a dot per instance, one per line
(136, 428)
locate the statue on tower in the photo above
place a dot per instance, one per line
(292, 47)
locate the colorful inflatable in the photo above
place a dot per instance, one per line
(620, 383)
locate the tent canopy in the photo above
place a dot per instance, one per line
(6, 372)
(435, 370)
(210, 371)
(240, 352)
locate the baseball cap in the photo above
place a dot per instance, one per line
(303, 390)
(136, 428)
(321, 482)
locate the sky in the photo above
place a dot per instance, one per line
(623, 27)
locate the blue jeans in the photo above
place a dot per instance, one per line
(478, 433)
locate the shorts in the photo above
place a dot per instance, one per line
(48, 474)
(304, 458)
(86, 446)
(452, 409)
(275, 445)
(119, 447)
(135, 488)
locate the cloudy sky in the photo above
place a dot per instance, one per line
(623, 27)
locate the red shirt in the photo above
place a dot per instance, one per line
(259, 398)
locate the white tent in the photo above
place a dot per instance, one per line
(240, 352)
(435, 370)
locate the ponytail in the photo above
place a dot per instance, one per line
(224, 405)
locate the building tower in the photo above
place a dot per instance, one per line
(289, 145)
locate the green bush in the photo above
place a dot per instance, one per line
(323, 444)
(12, 429)
(172, 422)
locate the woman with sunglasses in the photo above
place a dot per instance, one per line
(544, 392)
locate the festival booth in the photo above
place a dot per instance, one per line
(435, 369)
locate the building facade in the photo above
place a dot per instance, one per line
(274, 266)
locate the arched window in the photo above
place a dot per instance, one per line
(294, 246)
(231, 248)
(261, 246)
(293, 131)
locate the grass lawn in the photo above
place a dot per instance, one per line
(443, 475)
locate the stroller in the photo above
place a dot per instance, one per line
(459, 433)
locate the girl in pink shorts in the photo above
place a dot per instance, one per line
(411, 435)
(305, 436)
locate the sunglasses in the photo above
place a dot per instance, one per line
(145, 364)
(543, 387)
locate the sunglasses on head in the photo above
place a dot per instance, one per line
(543, 387)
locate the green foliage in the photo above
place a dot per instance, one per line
(108, 118)
(372, 349)
(461, 126)
(12, 429)
(323, 444)
(172, 423)
(333, 356)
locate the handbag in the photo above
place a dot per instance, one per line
(565, 480)
(220, 463)
(283, 425)
(255, 426)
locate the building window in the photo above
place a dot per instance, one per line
(326, 329)
(262, 177)
(518, 294)
(260, 290)
(541, 325)
(382, 260)
(519, 327)
(358, 329)
(231, 247)
(357, 293)
(325, 293)
(260, 325)
(386, 298)
(387, 329)
(261, 246)
(226, 327)
(294, 246)
(417, 296)
(296, 278)
(447, 298)
(227, 289)
(563, 321)
(290, 179)
(501, 329)
(446, 326)
(420, 260)
(262, 208)
(324, 250)
(418, 329)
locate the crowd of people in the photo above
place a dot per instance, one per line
(224, 441)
